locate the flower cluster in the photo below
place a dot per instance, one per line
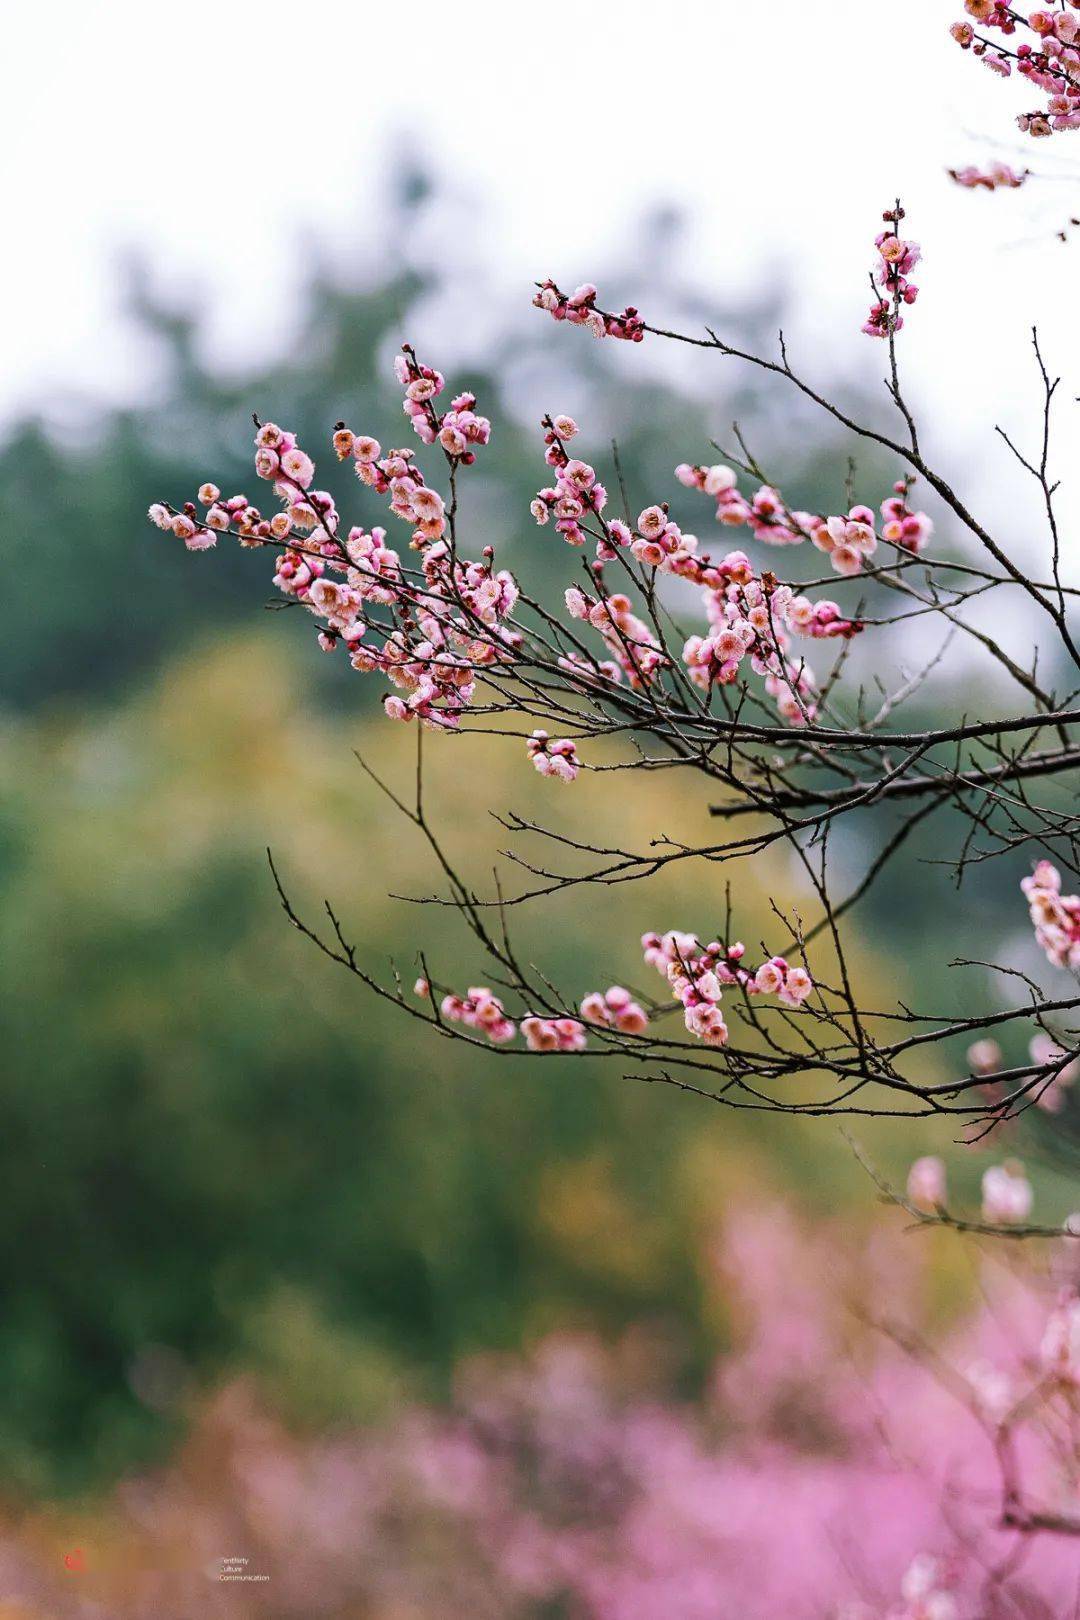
(697, 975)
(1056, 916)
(1050, 60)
(901, 526)
(776, 977)
(749, 616)
(241, 516)
(895, 261)
(398, 476)
(764, 514)
(446, 620)
(553, 1034)
(746, 620)
(615, 1009)
(195, 535)
(660, 543)
(579, 307)
(996, 177)
(550, 758)
(459, 430)
(636, 654)
(576, 494)
(1006, 1194)
(847, 540)
(479, 1009)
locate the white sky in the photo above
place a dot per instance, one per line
(224, 139)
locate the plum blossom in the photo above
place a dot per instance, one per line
(616, 1009)
(553, 1034)
(194, 536)
(769, 519)
(479, 1009)
(1006, 1194)
(926, 1187)
(764, 513)
(790, 985)
(553, 758)
(1050, 61)
(576, 495)
(697, 976)
(901, 527)
(459, 430)
(634, 649)
(996, 177)
(579, 308)
(1055, 916)
(847, 541)
(660, 543)
(446, 620)
(895, 261)
(750, 616)
(693, 977)
(984, 1056)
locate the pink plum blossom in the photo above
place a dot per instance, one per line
(1006, 1194)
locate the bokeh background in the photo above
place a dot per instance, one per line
(240, 1198)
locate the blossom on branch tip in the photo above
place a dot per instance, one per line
(579, 308)
(553, 758)
(460, 430)
(896, 258)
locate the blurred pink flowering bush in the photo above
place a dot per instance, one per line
(837, 1469)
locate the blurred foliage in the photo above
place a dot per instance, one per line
(217, 1152)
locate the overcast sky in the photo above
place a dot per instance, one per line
(225, 138)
